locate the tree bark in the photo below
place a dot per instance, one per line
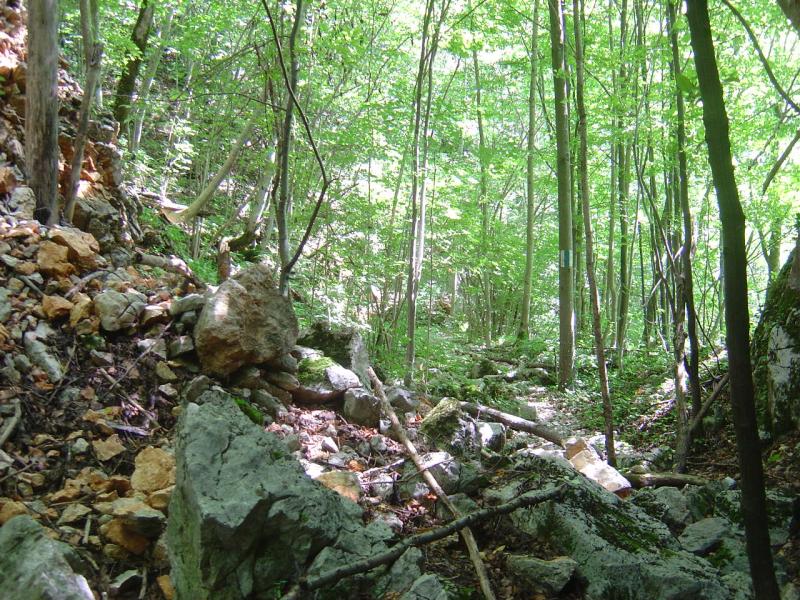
(583, 187)
(565, 292)
(791, 8)
(41, 108)
(715, 119)
(127, 81)
(524, 326)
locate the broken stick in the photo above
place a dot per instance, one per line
(466, 532)
(420, 539)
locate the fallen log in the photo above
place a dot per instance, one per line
(640, 480)
(698, 418)
(420, 539)
(513, 421)
(172, 264)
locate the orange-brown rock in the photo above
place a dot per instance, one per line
(55, 307)
(82, 247)
(155, 470)
(53, 260)
(116, 532)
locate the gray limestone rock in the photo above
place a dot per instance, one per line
(245, 518)
(493, 435)
(450, 428)
(546, 576)
(5, 304)
(40, 355)
(187, 303)
(427, 587)
(361, 407)
(117, 310)
(401, 399)
(344, 345)
(705, 535)
(321, 379)
(246, 322)
(35, 567)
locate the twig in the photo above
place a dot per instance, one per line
(421, 539)
(698, 418)
(87, 530)
(115, 383)
(11, 424)
(82, 283)
(17, 472)
(466, 532)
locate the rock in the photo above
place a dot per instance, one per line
(322, 380)
(620, 550)
(181, 345)
(450, 428)
(10, 509)
(165, 585)
(117, 310)
(361, 407)
(55, 307)
(427, 587)
(164, 373)
(109, 448)
(493, 435)
(53, 260)
(101, 359)
(267, 403)
(153, 313)
(82, 248)
(344, 345)
(586, 460)
(401, 399)
(74, 513)
(96, 216)
(667, 504)
(261, 531)
(448, 472)
(138, 517)
(25, 200)
(776, 352)
(117, 533)
(80, 446)
(345, 483)
(40, 356)
(154, 470)
(483, 368)
(705, 535)
(546, 576)
(246, 321)
(186, 303)
(285, 381)
(5, 304)
(33, 566)
(126, 581)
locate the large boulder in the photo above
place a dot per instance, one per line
(245, 322)
(344, 345)
(322, 379)
(450, 428)
(776, 351)
(621, 552)
(35, 567)
(245, 519)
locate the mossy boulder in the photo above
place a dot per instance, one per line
(322, 379)
(776, 352)
(450, 428)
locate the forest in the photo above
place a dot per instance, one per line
(527, 273)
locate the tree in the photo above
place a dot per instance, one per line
(41, 108)
(565, 291)
(715, 119)
(127, 81)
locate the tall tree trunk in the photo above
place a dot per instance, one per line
(565, 292)
(737, 321)
(127, 81)
(583, 179)
(483, 203)
(93, 57)
(41, 108)
(524, 326)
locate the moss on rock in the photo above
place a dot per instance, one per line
(312, 370)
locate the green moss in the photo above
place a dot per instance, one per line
(440, 423)
(255, 415)
(312, 370)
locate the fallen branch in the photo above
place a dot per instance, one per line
(172, 264)
(640, 480)
(11, 424)
(698, 418)
(426, 537)
(518, 423)
(466, 532)
(82, 283)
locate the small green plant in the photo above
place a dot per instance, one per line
(255, 415)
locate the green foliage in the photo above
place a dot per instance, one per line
(255, 415)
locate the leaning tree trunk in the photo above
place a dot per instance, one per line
(715, 118)
(41, 108)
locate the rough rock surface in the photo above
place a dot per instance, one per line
(246, 322)
(345, 346)
(620, 550)
(35, 567)
(264, 528)
(321, 379)
(776, 341)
